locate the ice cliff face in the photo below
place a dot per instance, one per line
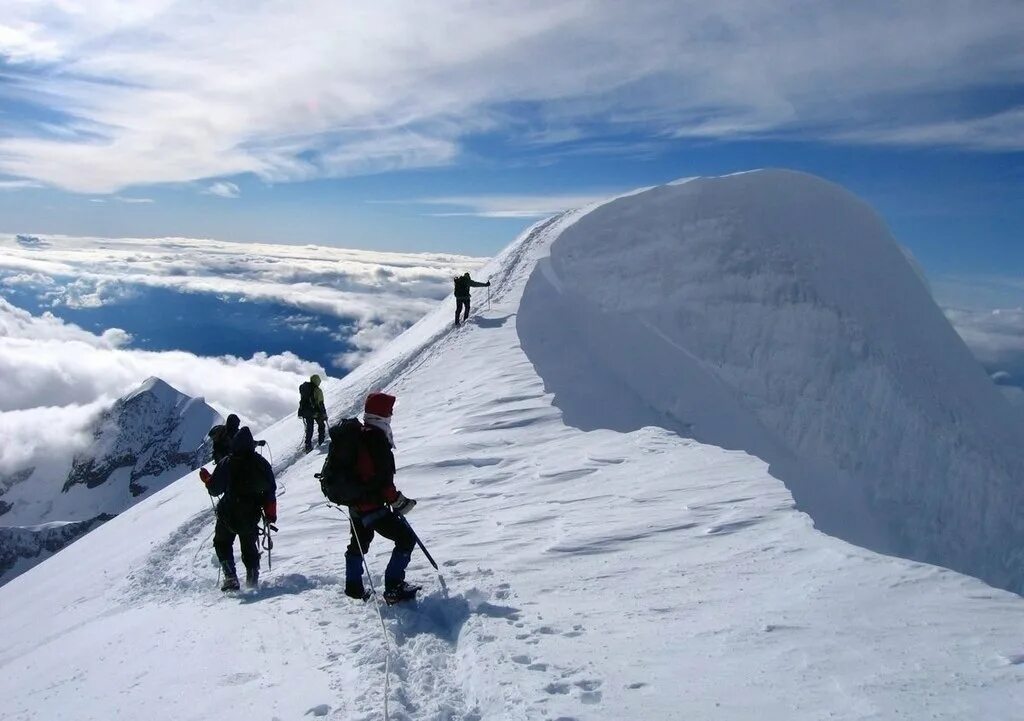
(772, 312)
(144, 441)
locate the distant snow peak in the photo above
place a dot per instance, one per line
(147, 432)
(145, 440)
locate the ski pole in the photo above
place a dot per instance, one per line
(444, 586)
(488, 295)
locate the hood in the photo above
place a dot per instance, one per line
(243, 442)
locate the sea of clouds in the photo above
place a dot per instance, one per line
(56, 376)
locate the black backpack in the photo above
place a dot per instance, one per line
(340, 478)
(306, 399)
(248, 476)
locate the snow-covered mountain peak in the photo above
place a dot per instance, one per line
(150, 430)
(145, 440)
(591, 457)
(156, 388)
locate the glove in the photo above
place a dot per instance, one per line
(260, 443)
(205, 476)
(403, 505)
(488, 284)
(270, 510)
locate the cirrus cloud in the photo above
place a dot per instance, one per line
(178, 90)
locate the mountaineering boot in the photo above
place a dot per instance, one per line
(356, 590)
(394, 574)
(252, 578)
(230, 578)
(401, 591)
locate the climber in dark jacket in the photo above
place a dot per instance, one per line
(462, 285)
(383, 507)
(249, 490)
(221, 436)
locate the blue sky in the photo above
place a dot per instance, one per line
(375, 128)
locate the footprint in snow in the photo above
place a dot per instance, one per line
(321, 710)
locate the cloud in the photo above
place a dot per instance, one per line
(223, 189)
(56, 377)
(995, 336)
(152, 91)
(513, 206)
(987, 312)
(375, 294)
(19, 184)
(1001, 132)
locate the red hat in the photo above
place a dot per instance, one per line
(380, 404)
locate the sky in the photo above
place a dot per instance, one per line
(448, 127)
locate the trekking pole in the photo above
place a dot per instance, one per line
(488, 295)
(444, 586)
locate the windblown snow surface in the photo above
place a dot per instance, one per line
(591, 454)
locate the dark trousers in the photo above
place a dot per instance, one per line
(237, 518)
(461, 303)
(321, 430)
(391, 526)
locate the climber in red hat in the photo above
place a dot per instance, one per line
(383, 507)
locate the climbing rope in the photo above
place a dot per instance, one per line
(202, 546)
(380, 616)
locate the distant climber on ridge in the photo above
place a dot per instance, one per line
(462, 285)
(381, 508)
(221, 437)
(249, 490)
(312, 408)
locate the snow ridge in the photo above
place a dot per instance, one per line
(772, 312)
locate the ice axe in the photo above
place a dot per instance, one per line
(444, 586)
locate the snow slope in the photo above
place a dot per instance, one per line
(144, 441)
(593, 571)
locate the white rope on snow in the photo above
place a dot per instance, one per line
(380, 616)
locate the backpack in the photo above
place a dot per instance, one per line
(248, 476)
(306, 399)
(341, 478)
